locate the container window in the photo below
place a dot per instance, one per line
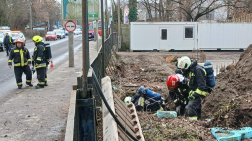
(164, 34)
(188, 32)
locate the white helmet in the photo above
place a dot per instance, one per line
(127, 100)
(184, 63)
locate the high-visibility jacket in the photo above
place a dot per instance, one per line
(197, 81)
(20, 57)
(10, 39)
(39, 56)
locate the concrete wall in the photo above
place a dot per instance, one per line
(125, 35)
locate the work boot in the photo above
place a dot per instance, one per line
(19, 87)
(29, 84)
(39, 87)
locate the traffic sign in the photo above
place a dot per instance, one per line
(70, 26)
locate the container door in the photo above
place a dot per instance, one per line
(164, 40)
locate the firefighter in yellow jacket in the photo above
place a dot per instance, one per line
(39, 61)
(22, 63)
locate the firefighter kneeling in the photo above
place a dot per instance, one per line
(178, 92)
(22, 63)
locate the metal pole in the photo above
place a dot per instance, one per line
(97, 35)
(119, 22)
(71, 50)
(85, 55)
(30, 16)
(107, 19)
(103, 47)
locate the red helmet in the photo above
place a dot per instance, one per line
(171, 82)
(19, 40)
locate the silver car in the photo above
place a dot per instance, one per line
(59, 34)
(1, 41)
(15, 36)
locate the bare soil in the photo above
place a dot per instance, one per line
(230, 105)
(132, 70)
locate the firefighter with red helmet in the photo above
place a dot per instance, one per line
(22, 62)
(178, 92)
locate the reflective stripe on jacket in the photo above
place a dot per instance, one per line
(39, 56)
(197, 82)
(20, 57)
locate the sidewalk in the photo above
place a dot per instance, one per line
(41, 115)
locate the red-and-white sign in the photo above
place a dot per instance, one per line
(127, 10)
(70, 26)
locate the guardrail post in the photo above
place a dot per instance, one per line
(90, 84)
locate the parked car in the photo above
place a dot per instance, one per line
(17, 34)
(64, 34)
(1, 41)
(59, 34)
(6, 31)
(51, 35)
(90, 31)
(76, 32)
(79, 31)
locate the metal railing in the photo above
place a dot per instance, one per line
(97, 63)
(87, 96)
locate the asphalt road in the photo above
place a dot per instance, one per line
(59, 50)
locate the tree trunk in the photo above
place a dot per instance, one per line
(160, 9)
(155, 9)
(163, 19)
(228, 9)
(180, 13)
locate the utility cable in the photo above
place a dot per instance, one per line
(109, 109)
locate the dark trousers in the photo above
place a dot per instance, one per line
(46, 68)
(194, 107)
(18, 74)
(8, 48)
(41, 76)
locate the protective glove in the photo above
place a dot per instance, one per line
(191, 96)
(33, 70)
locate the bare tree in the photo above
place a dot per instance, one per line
(242, 8)
(17, 13)
(194, 9)
(3, 18)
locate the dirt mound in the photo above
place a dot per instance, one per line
(180, 129)
(245, 62)
(142, 70)
(230, 105)
(151, 70)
